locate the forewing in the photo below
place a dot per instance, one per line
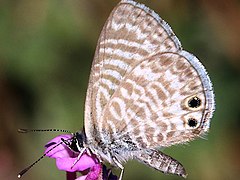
(165, 100)
(132, 34)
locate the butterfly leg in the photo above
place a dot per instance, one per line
(120, 166)
(162, 162)
(79, 156)
(80, 153)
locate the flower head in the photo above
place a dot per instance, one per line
(67, 160)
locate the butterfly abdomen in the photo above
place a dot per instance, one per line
(161, 162)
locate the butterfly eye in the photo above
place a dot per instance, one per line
(192, 122)
(194, 102)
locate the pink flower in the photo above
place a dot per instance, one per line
(88, 165)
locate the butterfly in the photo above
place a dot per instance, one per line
(145, 92)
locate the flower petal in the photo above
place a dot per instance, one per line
(67, 164)
(65, 157)
(94, 172)
(66, 160)
(60, 150)
(81, 177)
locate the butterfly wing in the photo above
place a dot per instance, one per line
(166, 99)
(132, 34)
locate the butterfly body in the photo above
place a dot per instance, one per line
(120, 151)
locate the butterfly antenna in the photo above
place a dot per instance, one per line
(42, 130)
(29, 167)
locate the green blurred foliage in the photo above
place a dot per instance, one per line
(46, 50)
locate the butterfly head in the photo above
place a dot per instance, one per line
(77, 142)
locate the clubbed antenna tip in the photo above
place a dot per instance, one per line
(22, 130)
(23, 172)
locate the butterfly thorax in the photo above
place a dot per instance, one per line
(113, 150)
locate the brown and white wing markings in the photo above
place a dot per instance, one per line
(132, 34)
(151, 105)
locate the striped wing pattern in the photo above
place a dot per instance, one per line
(131, 34)
(150, 105)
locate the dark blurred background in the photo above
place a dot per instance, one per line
(46, 50)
